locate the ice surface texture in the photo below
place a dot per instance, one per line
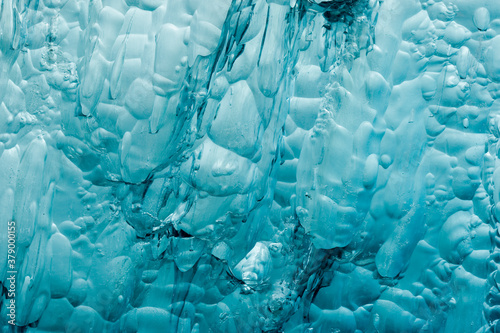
(251, 165)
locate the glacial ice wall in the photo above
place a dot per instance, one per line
(250, 165)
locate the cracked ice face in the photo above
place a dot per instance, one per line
(247, 166)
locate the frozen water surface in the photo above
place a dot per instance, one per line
(250, 166)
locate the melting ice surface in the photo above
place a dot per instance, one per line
(251, 165)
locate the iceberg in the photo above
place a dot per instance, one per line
(249, 166)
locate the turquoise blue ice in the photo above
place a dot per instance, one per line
(206, 166)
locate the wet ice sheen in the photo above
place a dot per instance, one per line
(251, 165)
